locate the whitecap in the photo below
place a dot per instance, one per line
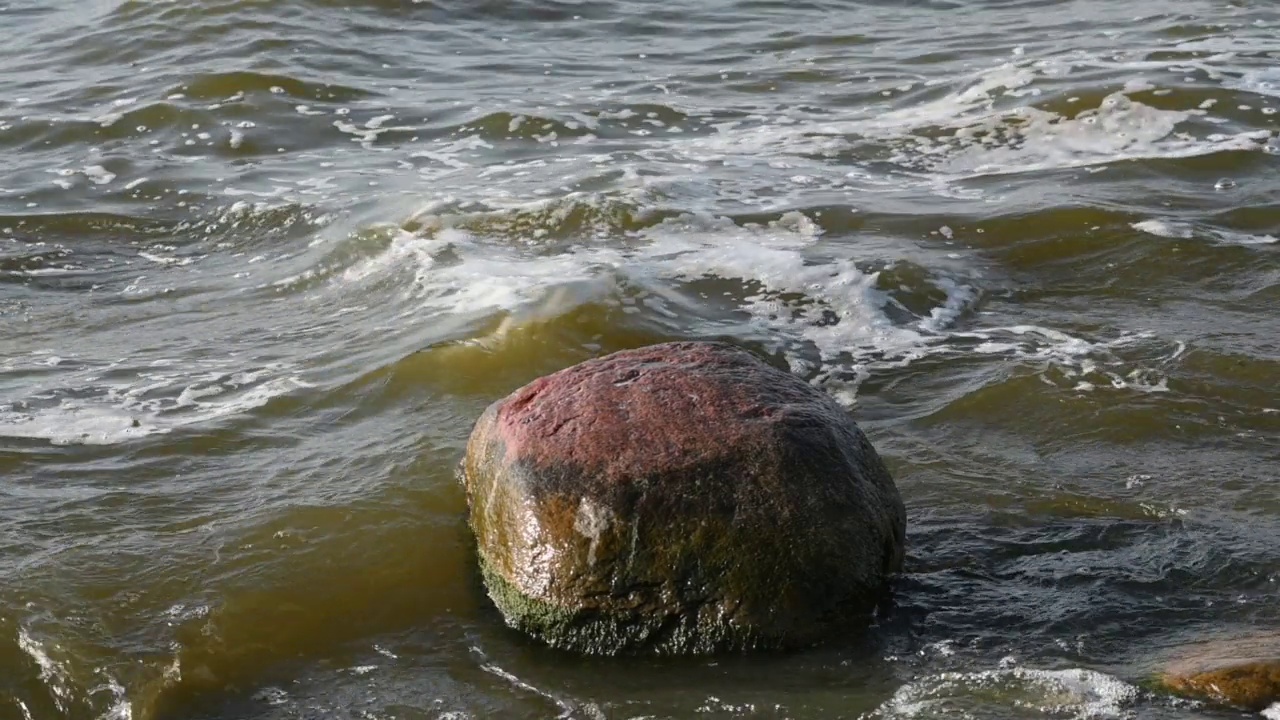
(1165, 229)
(1075, 693)
(829, 316)
(1185, 231)
(82, 410)
(53, 673)
(98, 174)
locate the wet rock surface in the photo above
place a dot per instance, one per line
(1243, 672)
(679, 498)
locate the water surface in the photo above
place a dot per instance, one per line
(262, 264)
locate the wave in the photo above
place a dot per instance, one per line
(1074, 693)
(219, 86)
(1186, 231)
(94, 403)
(49, 679)
(594, 273)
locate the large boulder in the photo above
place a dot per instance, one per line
(1243, 671)
(679, 498)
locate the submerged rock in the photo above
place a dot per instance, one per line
(679, 498)
(1243, 672)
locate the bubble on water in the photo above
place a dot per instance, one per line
(1224, 184)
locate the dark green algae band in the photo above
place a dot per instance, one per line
(596, 633)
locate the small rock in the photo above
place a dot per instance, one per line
(678, 499)
(1242, 672)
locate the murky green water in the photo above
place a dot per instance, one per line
(263, 263)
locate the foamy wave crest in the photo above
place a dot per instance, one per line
(1008, 119)
(1185, 231)
(53, 674)
(1129, 361)
(1074, 693)
(834, 316)
(81, 407)
(775, 283)
(63, 684)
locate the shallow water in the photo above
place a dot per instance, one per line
(263, 264)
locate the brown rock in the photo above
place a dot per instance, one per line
(679, 498)
(1243, 672)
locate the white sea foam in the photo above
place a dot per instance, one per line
(98, 174)
(1264, 81)
(1075, 693)
(1227, 237)
(828, 314)
(1186, 231)
(167, 260)
(81, 410)
(973, 131)
(988, 122)
(823, 312)
(119, 707)
(53, 673)
(781, 287)
(567, 707)
(1028, 139)
(272, 695)
(1166, 229)
(766, 263)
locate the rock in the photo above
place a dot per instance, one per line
(677, 499)
(1243, 672)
